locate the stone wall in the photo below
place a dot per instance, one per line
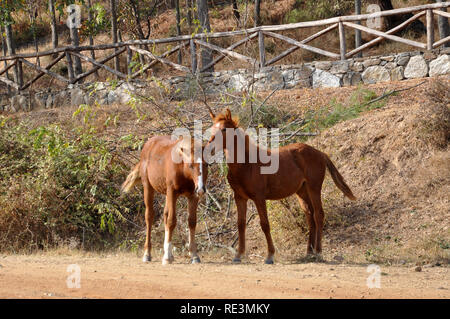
(101, 92)
(394, 67)
(368, 70)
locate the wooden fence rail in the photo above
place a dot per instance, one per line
(198, 41)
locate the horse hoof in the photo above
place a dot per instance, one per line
(236, 260)
(195, 260)
(268, 261)
(314, 257)
(146, 258)
(167, 261)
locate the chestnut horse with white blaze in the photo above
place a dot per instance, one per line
(174, 169)
(301, 171)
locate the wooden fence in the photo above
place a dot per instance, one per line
(68, 53)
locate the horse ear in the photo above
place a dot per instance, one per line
(228, 114)
(182, 150)
(212, 115)
(186, 157)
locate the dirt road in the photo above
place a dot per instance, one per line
(125, 276)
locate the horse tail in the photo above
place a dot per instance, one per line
(132, 179)
(338, 179)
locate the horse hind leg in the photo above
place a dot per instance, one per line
(149, 215)
(264, 222)
(306, 205)
(316, 201)
(192, 223)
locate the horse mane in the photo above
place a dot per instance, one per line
(226, 117)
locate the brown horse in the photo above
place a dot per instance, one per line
(301, 171)
(167, 166)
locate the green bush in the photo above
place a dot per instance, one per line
(307, 10)
(360, 101)
(62, 185)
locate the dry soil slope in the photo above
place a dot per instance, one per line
(396, 160)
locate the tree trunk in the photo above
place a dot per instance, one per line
(178, 17)
(358, 40)
(257, 17)
(5, 53)
(392, 21)
(137, 16)
(140, 32)
(11, 51)
(114, 31)
(444, 29)
(189, 13)
(51, 8)
(236, 12)
(33, 16)
(36, 45)
(75, 41)
(203, 16)
(91, 38)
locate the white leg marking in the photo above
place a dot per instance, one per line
(146, 257)
(168, 257)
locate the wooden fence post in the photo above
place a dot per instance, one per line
(5, 53)
(75, 41)
(11, 51)
(70, 67)
(430, 29)
(358, 41)
(262, 50)
(193, 56)
(129, 60)
(114, 35)
(343, 45)
(19, 74)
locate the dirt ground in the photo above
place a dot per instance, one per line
(125, 276)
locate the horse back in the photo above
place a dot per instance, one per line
(155, 161)
(310, 160)
(298, 163)
(161, 171)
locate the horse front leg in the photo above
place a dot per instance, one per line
(192, 222)
(170, 221)
(241, 204)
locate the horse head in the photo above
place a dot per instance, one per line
(191, 152)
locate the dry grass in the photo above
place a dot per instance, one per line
(395, 159)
